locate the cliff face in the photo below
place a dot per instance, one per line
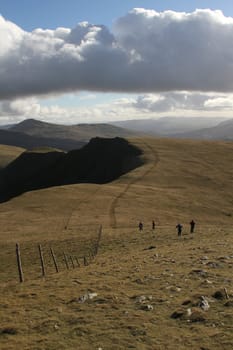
(100, 161)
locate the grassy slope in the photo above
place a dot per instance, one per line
(181, 180)
(9, 153)
(81, 132)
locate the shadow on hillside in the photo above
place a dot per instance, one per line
(20, 139)
(100, 161)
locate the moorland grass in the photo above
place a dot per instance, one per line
(181, 180)
(8, 154)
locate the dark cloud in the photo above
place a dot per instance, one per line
(146, 52)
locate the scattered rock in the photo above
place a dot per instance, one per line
(219, 294)
(197, 315)
(8, 330)
(178, 314)
(150, 247)
(203, 304)
(189, 312)
(174, 289)
(204, 258)
(147, 307)
(200, 272)
(213, 264)
(207, 281)
(142, 298)
(83, 298)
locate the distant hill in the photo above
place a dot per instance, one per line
(7, 126)
(222, 131)
(100, 161)
(32, 133)
(169, 125)
(20, 139)
(80, 132)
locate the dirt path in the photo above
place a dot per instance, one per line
(153, 163)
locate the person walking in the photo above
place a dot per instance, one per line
(153, 225)
(179, 229)
(140, 226)
(192, 226)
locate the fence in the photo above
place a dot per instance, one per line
(30, 260)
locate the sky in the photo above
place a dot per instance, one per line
(76, 61)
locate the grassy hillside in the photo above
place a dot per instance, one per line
(80, 132)
(20, 139)
(141, 279)
(8, 154)
(100, 161)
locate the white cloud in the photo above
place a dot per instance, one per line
(147, 51)
(129, 107)
(20, 109)
(184, 101)
(10, 36)
(168, 58)
(219, 103)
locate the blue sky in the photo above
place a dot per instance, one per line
(169, 73)
(31, 14)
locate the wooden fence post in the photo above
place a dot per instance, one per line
(85, 261)
(41, 260)
(72, 261)
(68, 220)
(90, 254)
(66, 260)
(54, 259)
(77, 261)
(21, 278)
(98, 240)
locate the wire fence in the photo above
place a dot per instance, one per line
(29, 260)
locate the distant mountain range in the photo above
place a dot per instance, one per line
(222, 131)
(20, 139)
(169, 125)
(32, 133)
(80, 132)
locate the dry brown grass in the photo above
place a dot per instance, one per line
(8, 154)
(180, 181)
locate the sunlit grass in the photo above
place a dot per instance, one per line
(181, 180)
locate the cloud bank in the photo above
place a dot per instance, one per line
(134, 107)
(183, 101)
(146, 52)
